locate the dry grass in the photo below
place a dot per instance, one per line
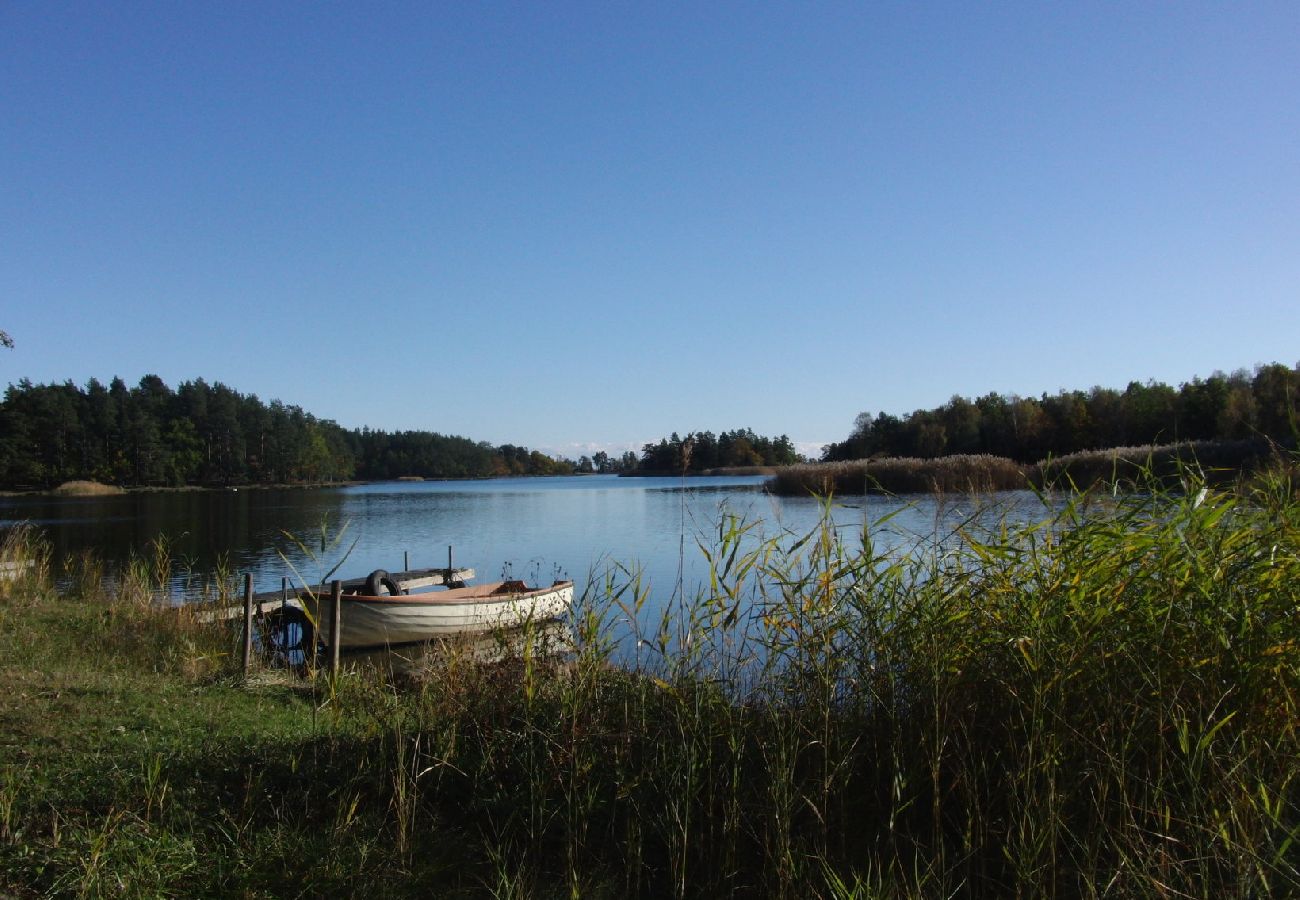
(24, 566)
(140, 621)
(86, 489)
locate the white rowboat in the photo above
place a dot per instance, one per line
(389, 620)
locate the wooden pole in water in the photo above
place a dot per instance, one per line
(336, 624)
(406, 560)
(248, 621)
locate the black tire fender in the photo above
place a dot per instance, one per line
(380, 578)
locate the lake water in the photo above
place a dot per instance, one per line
(535, 528)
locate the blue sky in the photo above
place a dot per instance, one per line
(582, 225)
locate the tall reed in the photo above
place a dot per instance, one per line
(25, 565)
(1101, 701)
(141, 621)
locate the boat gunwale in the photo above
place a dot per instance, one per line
(476, 595)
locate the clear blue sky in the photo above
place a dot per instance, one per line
(592, 224)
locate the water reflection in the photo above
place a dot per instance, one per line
(205, 529)
(537, 529)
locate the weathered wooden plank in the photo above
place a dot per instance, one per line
(221, 614)
(270, 601)
(247, 658)
(407, 581)
(336, 625)
(11, 570)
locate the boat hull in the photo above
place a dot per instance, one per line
(389, 621)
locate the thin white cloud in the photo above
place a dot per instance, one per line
(575, 449)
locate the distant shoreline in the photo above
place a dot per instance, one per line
(724, 472)
(181, 489)
(290, 486)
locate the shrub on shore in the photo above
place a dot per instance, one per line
(86, 489)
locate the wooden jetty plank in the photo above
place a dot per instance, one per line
(12, 570)
(407, 581)
(269, 601)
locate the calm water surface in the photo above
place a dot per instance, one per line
(535, 528)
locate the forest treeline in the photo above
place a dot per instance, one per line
(200, 433)
(209, 434)
(700, 451)
(1221, 407)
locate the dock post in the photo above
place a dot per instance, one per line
(406, 560)
(248, 622)
(336, 624)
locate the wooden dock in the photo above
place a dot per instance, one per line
(11, 571)
(269, 601)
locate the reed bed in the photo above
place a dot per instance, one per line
(1213, 462)
(976, 474)
(1216, 462)
(1101, 703)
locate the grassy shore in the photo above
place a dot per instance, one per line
(1100, 704)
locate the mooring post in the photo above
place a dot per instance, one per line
(336, 624)
(406, 560)
(449, 562)
(248, 621)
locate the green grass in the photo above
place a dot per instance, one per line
(1100, 704)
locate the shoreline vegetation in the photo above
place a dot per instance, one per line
(203, 435)
(80, 489)
(1221, 408)
(1103, 702)
(210, 436)
(1215, 462)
